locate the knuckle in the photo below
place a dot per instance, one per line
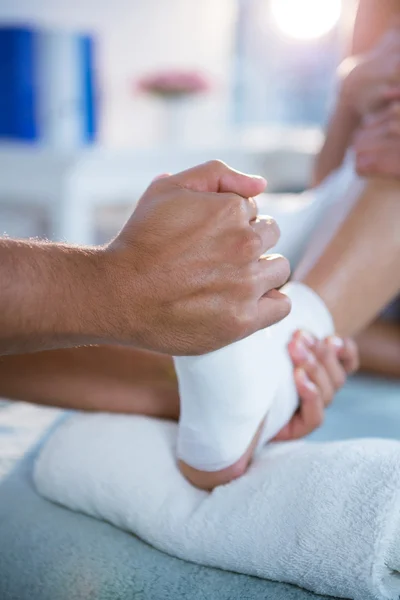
(271, 313)
(286, 307)
(282, 308)
(271, 231)
(254, 245)
(235, 206)
(217, 165)
(252, 282)
(280, 267)
(250, 245)
(243, 319)
(155, 186)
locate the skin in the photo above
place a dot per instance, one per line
(115, 379)
(367, 116)
(377, 143)
(369, 80)
(320, 369)
(379, 348)
(182, 241)
(355, 270)
(184, 276)
(355, 273)
(127, 380)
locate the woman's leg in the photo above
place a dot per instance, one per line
(379, 347)
(354, 269)
(104, 378)
(357, 271)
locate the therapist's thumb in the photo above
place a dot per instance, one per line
(216, 176)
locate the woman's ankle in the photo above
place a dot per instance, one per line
(208, 480)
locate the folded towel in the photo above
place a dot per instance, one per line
(322, 516)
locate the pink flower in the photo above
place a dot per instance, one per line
(174, 83)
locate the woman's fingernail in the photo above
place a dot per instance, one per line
(306, 381)
(307, 338)
(301, 351)
(336, 342)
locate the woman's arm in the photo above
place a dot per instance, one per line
(373, 19)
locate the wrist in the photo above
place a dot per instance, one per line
(78, 311)
(119, 310)
(93, 296)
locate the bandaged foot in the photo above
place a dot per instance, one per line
(226, 395)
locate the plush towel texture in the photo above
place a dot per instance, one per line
(48, 552)
(323, 516)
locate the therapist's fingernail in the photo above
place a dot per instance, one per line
(259, 178)
(162, 176)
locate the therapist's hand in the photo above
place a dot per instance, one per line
(372, 80)
(185, 273)
(377, 144)
(321, 368)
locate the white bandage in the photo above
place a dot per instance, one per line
(225, 395)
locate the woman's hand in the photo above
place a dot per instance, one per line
(372, 80)
(320, 370)
(377, 143)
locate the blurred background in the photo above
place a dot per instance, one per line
(98, 97)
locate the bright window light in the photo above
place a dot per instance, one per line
(305, 19)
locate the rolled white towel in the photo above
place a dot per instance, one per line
(322, 516)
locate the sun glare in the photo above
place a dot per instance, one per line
(305, 19)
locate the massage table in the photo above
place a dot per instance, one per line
(50, 553)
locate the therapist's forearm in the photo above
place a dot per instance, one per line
(50, 296)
